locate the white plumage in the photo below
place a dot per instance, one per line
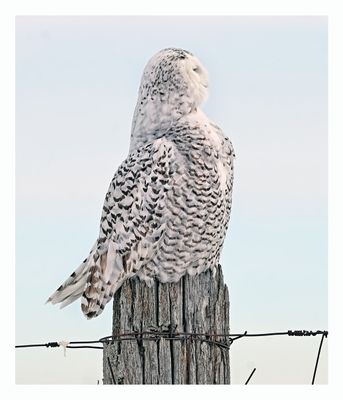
(167, 208)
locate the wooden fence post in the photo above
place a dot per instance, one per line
(198, 304)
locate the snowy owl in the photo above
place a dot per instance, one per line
(167, 208)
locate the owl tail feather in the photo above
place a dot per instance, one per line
(104, 277)
(72, 288)
(95, 281)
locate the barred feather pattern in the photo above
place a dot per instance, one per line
(168, 206)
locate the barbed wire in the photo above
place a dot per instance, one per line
(172, 335)
(216, 339)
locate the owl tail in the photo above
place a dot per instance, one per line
(72, 288)
(95, 281)
(104, 278)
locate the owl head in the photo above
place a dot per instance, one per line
(175, 75)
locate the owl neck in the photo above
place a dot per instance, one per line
(153, 117)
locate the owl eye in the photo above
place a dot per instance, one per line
(196, 69)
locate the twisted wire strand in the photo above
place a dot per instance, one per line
(171, 335)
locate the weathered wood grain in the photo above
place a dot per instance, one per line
(198, 304)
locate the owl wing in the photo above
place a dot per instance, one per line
(132, 224)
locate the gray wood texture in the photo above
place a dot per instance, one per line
(198, 304)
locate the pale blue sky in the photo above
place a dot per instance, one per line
(76, 87)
